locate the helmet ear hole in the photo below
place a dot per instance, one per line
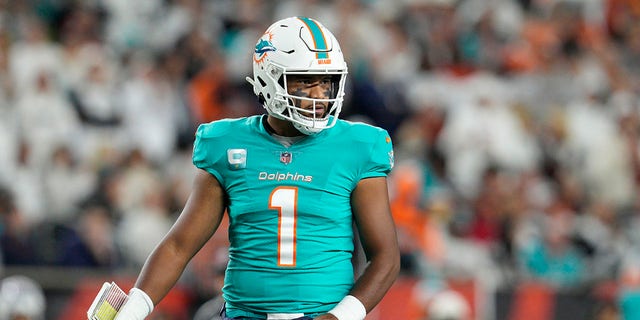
(264, 84)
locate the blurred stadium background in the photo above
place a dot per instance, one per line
(515, 125)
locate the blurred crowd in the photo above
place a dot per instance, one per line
(516, 126)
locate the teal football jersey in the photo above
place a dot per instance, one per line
(290, 231)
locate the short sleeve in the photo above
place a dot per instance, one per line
(381, 158)
(205, 152)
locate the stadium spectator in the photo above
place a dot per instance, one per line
(89, 241)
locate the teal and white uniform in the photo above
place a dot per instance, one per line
(291, 236)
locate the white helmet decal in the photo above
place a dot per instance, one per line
(298, 46)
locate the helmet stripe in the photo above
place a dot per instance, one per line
(318, 37)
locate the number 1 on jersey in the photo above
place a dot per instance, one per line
(285, 200)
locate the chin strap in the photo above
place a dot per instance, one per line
(250, 80)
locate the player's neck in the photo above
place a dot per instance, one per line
(281, 127)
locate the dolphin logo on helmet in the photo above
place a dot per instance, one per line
(262, 48)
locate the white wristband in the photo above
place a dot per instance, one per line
(350, 308)
(137, 307)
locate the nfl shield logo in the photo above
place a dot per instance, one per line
(285, 157)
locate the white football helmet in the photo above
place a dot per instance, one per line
(298, 46)
(21, 297)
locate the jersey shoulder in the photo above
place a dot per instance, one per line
(371, 143)
(214, 139)
(225, 127)
(360, 131)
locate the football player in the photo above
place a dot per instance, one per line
(294, 182)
